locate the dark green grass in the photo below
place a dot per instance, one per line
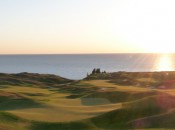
(7, 117)
(164, 120)
(131, 111)
(11, 103)
(59, 126)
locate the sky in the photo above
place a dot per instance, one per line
(86, 26)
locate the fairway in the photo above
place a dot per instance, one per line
(56, 107)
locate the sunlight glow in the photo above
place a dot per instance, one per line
(165, 63)
(148, 24)
(87, 26)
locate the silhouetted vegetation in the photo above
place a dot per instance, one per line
(96, 71)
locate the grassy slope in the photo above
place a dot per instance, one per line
(49, 105)
(11, 122)
(150, 112)
(39, 102)
(31, 79)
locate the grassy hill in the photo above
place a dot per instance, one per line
(107, 101)
(31, 79)
(139, 114)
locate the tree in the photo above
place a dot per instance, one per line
(98, 70)
(94, 71)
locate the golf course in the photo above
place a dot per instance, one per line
(101, 101)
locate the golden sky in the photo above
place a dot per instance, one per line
(86, 26)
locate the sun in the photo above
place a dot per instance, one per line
(165, 63)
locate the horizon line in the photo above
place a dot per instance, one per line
(89, 53)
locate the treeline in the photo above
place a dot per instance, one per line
(96, 71)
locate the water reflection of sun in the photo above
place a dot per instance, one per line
(165, 63)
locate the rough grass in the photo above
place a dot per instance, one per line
(10, 101)
(140, 113)
(31, 79)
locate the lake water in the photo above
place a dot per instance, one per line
(78, 65)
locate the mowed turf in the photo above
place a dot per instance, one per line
(42, 104)
(105, 85)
